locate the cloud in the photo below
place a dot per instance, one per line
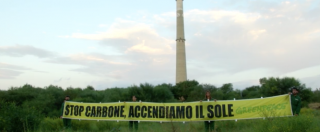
(14, 67)
(23, 50)
(261, 39)
(205, 16)
(8, 71)
(9, 74)
(66, 36)
(123, 69)
(59, 80)
(95, 64)
(145, 56)
(130, 36)
(312, 81)
(103, 25)
(119, 29)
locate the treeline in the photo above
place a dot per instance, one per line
(46, 102)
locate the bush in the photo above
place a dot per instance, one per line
(51, 124)
(55, 124)
(15, 118)
(306, 121)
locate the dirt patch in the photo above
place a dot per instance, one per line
(314, 106)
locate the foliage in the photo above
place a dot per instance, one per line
(55, 124)
(183, 89)
(162, 93)
(316, 96)
(251, 92)
(276, 86)
(15, 118)
(306, 121)
(24, 107)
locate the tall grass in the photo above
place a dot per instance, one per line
(307, 121)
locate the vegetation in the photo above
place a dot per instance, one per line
(30, 108)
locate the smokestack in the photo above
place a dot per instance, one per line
(181, 67)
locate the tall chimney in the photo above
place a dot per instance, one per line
(181, 67)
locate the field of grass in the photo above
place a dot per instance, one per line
(308, 121)
(314, 106)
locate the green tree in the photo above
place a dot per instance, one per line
(20, 94)
(162, 93)
(251, 92)
(74, 93)
(316, 95)
(55, 96)
(196, 93)
(89, 87)
(115, 95)
(146, 92)
(15, 118)
(134, 90)
(276, 86)
(306, 95)
(227, 91)
(216, 93)
(89, 95)
(184, 89)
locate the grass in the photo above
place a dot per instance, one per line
(314, 106)
(308, 121)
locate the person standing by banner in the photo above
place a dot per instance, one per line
(66, 122)
(133, 123)
(208, 125)
(295, 101)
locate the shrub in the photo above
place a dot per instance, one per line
(304, 122)
(15, 118)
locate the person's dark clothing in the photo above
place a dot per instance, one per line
(208, 126)
(66, 122)
(133, 124)
(295, 104)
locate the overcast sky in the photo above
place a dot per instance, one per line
(109, 43)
